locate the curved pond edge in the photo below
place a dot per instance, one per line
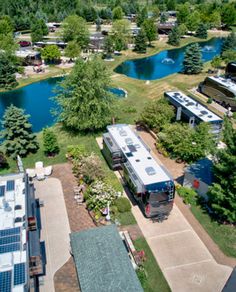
(170, 48)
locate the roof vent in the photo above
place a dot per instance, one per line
(128, 141)
(150, 170)
(123, 133)
(18, 207)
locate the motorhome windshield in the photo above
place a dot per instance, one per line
(158, 197)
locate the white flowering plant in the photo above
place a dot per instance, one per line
(99, 194)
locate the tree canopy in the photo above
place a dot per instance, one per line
(157, 114)
(74, 28)
(222, 194)
(187, 143)
(84, 99)
(51, 54)
(17, 133)
(150, 29)
(192, 63)
(38, 30)
(174, 37)
(72, 50)
(141, 42)
(8, 69)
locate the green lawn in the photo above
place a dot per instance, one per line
(65, 139)
(126, 218)
(223, 235)
(156, 281)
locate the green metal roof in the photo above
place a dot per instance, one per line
(102, 261)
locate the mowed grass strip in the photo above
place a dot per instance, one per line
(155, 281)
(223, 235)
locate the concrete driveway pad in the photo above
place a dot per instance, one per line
(205, 276)
(183, 258)
(179, 249)
(55, 228)
(175, 223)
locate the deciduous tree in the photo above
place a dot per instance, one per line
(72, 50)
(150, 30)
(117, 13)
(75, 28)
(84, 99)
(51, 54)
(157, 113)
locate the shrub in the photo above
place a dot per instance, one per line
(188, 195)
(142, 276)
(209, 101)
(99, 194)
(89, 167)
(76, 151)
(123, 204)
(50, 142)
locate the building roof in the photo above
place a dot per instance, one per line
(138, 155)
(102, 262)
(202, 170)
(13, 254)
(193, 106)
(26, 53)
(225, 82)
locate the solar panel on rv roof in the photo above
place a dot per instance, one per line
(5, 281)
(2, 191)
(9, 231)
(10, 185)
(19, 274)
(9, 248)
(9, 239)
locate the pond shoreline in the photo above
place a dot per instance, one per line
(31, 80)
(152, 67)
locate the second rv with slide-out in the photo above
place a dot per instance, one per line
(148, 181)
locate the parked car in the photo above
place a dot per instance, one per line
(24, 43)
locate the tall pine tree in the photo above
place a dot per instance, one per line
(201, 31)
(17, 133)
(7, 71)
(141, 42)
(192, 63)
(174, 37)
(229, 43)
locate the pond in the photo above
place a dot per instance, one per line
(166, 62)
(36, 99)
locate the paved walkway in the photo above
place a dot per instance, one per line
(55, 228)
(65, 279)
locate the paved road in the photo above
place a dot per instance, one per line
(55, 228)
